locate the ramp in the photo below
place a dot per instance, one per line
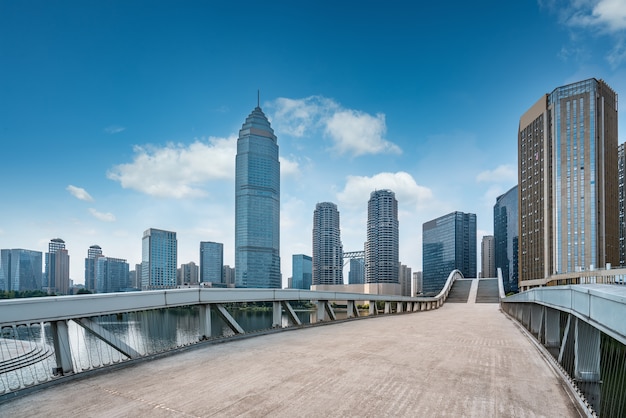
(488, 291)
(459, 292)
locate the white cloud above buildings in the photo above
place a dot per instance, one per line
(104, 217)
(506, 173)
(79, 193)
(352, 132)
(177, 170)
(357, 190)
(114, 129)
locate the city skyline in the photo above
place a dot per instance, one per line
(122, 117)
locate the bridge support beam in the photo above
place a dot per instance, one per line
(277, 317)
(399, 307)
(587, 361)
(109, 338)
(62, 351)
(353, 310)
(387, 307)
(205, 321)
(227, 317)
(324, 311)
(291, 314)
(373, 307)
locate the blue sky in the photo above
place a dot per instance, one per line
(119, 116)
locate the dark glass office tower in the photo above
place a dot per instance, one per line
(505, 233)
(449, 243)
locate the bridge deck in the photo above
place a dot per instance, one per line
(460, 360)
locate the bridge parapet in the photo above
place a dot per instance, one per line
(85, 332)
(582, 330)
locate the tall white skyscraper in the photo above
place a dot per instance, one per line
(327, 247)
(382, 261)
(257, 205)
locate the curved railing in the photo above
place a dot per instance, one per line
(581, 330)
(87, 332)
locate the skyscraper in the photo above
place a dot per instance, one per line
(301, 271)
(567, 150)
(211, 262)
(257, 205)
(621, 193)
(20, 270)
(93, 253)
(405, 277)
(449, 243)
(189, 274)
(488, 266)
(57, 275)
(382, 260)
(356, 275)
(327, 247)
(505, 235)
(158, 259)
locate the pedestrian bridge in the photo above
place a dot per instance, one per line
(453, 354)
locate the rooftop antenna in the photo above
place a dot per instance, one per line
(258, 98)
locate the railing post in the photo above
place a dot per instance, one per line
(277, 319)
(536, 317)
(553, 328)
(205, 321)
(587, 362)
(62, 351)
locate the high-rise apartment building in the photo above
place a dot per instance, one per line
(111, 274)
(356, 275)
(418, 284)
(327, 247)
(257, 205)
(382, 260)
(211, 262)
(301, 271)
(449, 243)
(20, 270)
(93, 253)
(158, 259)
(488, 261)
(189, 273)
(506, 237)
(567, 151)
(57, 274)
(621, 199)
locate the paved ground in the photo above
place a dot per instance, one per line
(460, 360)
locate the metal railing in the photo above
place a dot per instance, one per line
(44, 339)
(582, 331)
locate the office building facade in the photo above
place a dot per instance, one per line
(301, 271)
(621, 201)
(20, 270)
(356, 274)
(158, 259)
(506, 241)
(567, 150)
(111, 275)
(189, 274)
(382, 246)
(327, 247)
(487, 257)
(211, 262)
(405, 277)
(448, 243)
(257, 205)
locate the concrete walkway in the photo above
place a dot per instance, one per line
(460, 360)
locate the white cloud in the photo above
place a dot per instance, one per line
(351, 131)
(177, 170)
(288, 167)
(358, 189)
(501, 174)
(104, 217)
(79, 193)
(114, 129)
(359, 133)
(605, 15)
